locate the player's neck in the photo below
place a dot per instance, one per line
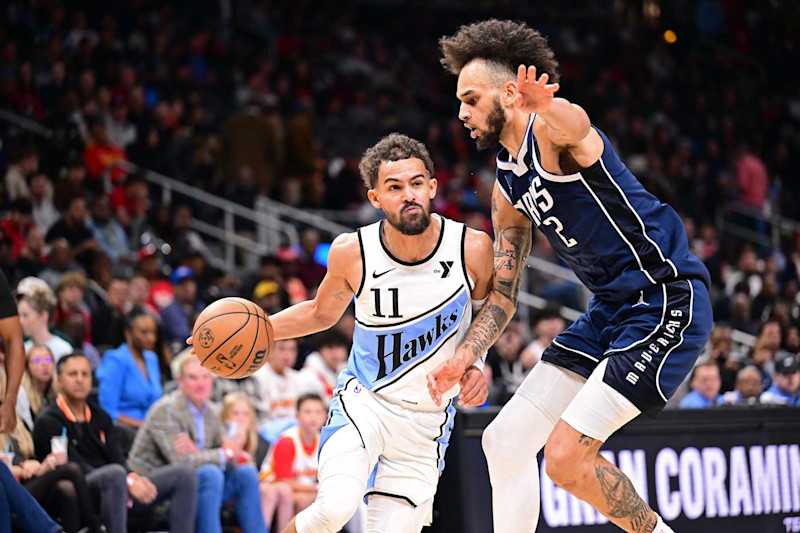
(411, 248)
(513, 134)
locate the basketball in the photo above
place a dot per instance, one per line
(233, 338)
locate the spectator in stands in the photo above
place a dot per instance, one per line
(748, 388)
(106, 298)
(321, 368)
(75, 329)
(109, 234)
(32, 259)
(17, 224)
(59, 486)
(94, 446)
(504, 365)
(185, 240)
(180, 314)
(73, 227)
(60, 261)
(770, 334)
(44, 212)
(14, 499)
(719, 347)
(129, 375)
(785, 389)
(16, 178)
(746, 271)
(101, 153)
(129, 201)
(69, 294)
(34, 315)
(139, 296)
(279, 382)
(705, 383)
(546, 327)
(70, 184)
(37, 388)
(761, 357)
(246, 386)
(293, 459)
(751, 178)
(267, 295)
(185, 428)
(308, 270)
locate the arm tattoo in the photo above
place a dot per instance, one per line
(485, 329)
(511, 249)
(342, 295)
(623, 502)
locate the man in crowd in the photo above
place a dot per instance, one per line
(785, 389)
(179, 315)
(185, 428)
(748, 388)
(92, 443)
(279, 382)
(321, 368)
(705, 383)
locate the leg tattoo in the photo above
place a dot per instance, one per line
(585, 440)
(623, 501)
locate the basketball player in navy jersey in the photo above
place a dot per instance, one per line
(650, 315)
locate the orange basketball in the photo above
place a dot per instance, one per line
(233, 337)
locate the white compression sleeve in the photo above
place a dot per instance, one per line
(516, 435)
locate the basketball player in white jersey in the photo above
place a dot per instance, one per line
(416, 279)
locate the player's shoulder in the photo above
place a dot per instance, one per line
(345, 250)
(477, 243)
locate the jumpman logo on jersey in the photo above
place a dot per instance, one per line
(641, 300)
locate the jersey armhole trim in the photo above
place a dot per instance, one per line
(389, 495)
(363, 264)
(463, 258)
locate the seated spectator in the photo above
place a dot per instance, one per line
(719, 347)
(35, 311)
(129, 375)
(16, 178)
(100, 153)
(107, 300)
(75, 329)
(14, 499)
(308, 270)
(247, 386)
(321, 369)
(32, 260)
(44, 213)
(69, 295)
(547, 326)
(93, 444)
(748, 388)
(761, 357)
(58, 264)
(185, 428)
(36, 390)
(179, 315)
(293, 459)
(504, 369)
(17, 225)
(785, 389)
(57, 485)
(73, 227)
(280, 385)
(109, 234)
(705, 383)
(185, 240)
(267, 295)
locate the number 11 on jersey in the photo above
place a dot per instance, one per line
(395, 304)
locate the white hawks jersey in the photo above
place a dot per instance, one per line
(410, 317)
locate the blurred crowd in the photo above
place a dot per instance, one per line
(267, 99)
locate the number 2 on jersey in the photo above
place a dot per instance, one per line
(395, 304)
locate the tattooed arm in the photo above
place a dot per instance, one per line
(333, 295)
(512, 245)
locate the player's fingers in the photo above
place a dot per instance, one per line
(190, 340)
(521, 73)
(543, 80)
(552, 87)
(470, 390)
(532, 74)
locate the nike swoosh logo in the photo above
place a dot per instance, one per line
(376, 275)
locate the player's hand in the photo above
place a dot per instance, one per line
(474, 389)
(444, 377)
(8, 416)
(533, 96)
(184, 444)
(190, 343)
(143, 490)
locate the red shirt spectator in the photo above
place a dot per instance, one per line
(751, 180)
(101, 153)
(17, 224)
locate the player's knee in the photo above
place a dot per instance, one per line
(563, 464)
(498, 440)
(332, 509)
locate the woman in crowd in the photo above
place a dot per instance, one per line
(36, 390)
(35, 310)
(239, 418)
(129, 376)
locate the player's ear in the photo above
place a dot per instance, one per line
(372, 196)
(508, 91)
(434, 186)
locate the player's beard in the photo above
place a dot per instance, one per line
(495, 123)
(410, 224)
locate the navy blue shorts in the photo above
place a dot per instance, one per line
(651, 341)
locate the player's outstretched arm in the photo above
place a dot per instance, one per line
(333, 295)
(512, 245)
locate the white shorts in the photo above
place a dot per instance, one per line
(406, 448)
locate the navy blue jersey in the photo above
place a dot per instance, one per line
(617, 237)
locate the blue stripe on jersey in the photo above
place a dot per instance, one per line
(380, 357)
(444, 434)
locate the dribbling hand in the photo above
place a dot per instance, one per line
(533, 96)
(474, 389)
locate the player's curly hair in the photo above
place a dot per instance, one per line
(502, 43)
(393, 147)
